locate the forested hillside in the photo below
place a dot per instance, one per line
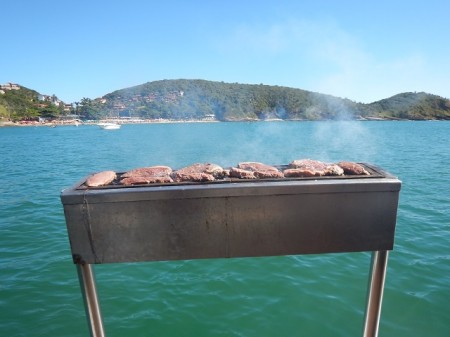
(415, 106)
(208, 100)
(20, 103)
(197, 99)
(193, 99)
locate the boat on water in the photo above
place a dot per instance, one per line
(109, 126)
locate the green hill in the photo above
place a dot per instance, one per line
(199, 99)
(196, 99)
(20, 103)
(415, 106)
(15, 103)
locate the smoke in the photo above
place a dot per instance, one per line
(344, 140)
(280, 142)
(341, 137)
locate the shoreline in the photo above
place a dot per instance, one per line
(80, 123)
(168, 121)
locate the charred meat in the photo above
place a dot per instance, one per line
(312, 168)
(352, 168)
(147, 175)
(101, 179)
(207, 172)
(334, 170)
(199, 173)
(260, 170)
(241, 174)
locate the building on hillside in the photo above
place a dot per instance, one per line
(43, 97)
(52, 99)
(10, 86)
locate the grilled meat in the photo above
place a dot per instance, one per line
(312, 168)
(199, 172)
(147, 175)
(261, 170)
(100, 179)
(352, 168)
(241, 174)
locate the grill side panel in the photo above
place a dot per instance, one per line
(234, 224)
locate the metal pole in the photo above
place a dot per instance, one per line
(91, 303)
(375, 293)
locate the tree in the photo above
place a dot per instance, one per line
(89, 109)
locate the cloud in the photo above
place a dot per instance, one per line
(271, 40)
(290, 37)
(322, 56)
(363, 77)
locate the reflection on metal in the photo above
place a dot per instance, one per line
(265, 218)
(375, 293)
(91, 303)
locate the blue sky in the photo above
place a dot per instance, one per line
(361, 50)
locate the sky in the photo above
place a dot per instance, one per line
(361, 50)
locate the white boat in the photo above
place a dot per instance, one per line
(109, 126)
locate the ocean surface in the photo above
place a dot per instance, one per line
(289, 296)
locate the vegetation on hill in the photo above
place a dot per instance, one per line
(27, 104)
(415, 106)
(200, 99)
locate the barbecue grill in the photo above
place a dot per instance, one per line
(233, 218)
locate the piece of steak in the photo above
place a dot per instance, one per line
(193, 177)
(199, 173)
(312, 168)
(147, 175)
(152, 171)
(306, 168)
(334, 170)
(139, 180)
(298, 173)
(261, 170)
(353, 168)
(217, 171)
(241, 174)
(100, 179)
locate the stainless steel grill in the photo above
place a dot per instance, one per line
(235, 219)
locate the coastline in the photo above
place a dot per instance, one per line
(170, 121)
(79, 123)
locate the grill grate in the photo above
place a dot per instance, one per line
(374, 171)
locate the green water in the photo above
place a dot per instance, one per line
(317, 295)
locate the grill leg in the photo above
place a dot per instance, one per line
(91, 304)
(375, 293)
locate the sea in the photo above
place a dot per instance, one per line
(288, 296)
